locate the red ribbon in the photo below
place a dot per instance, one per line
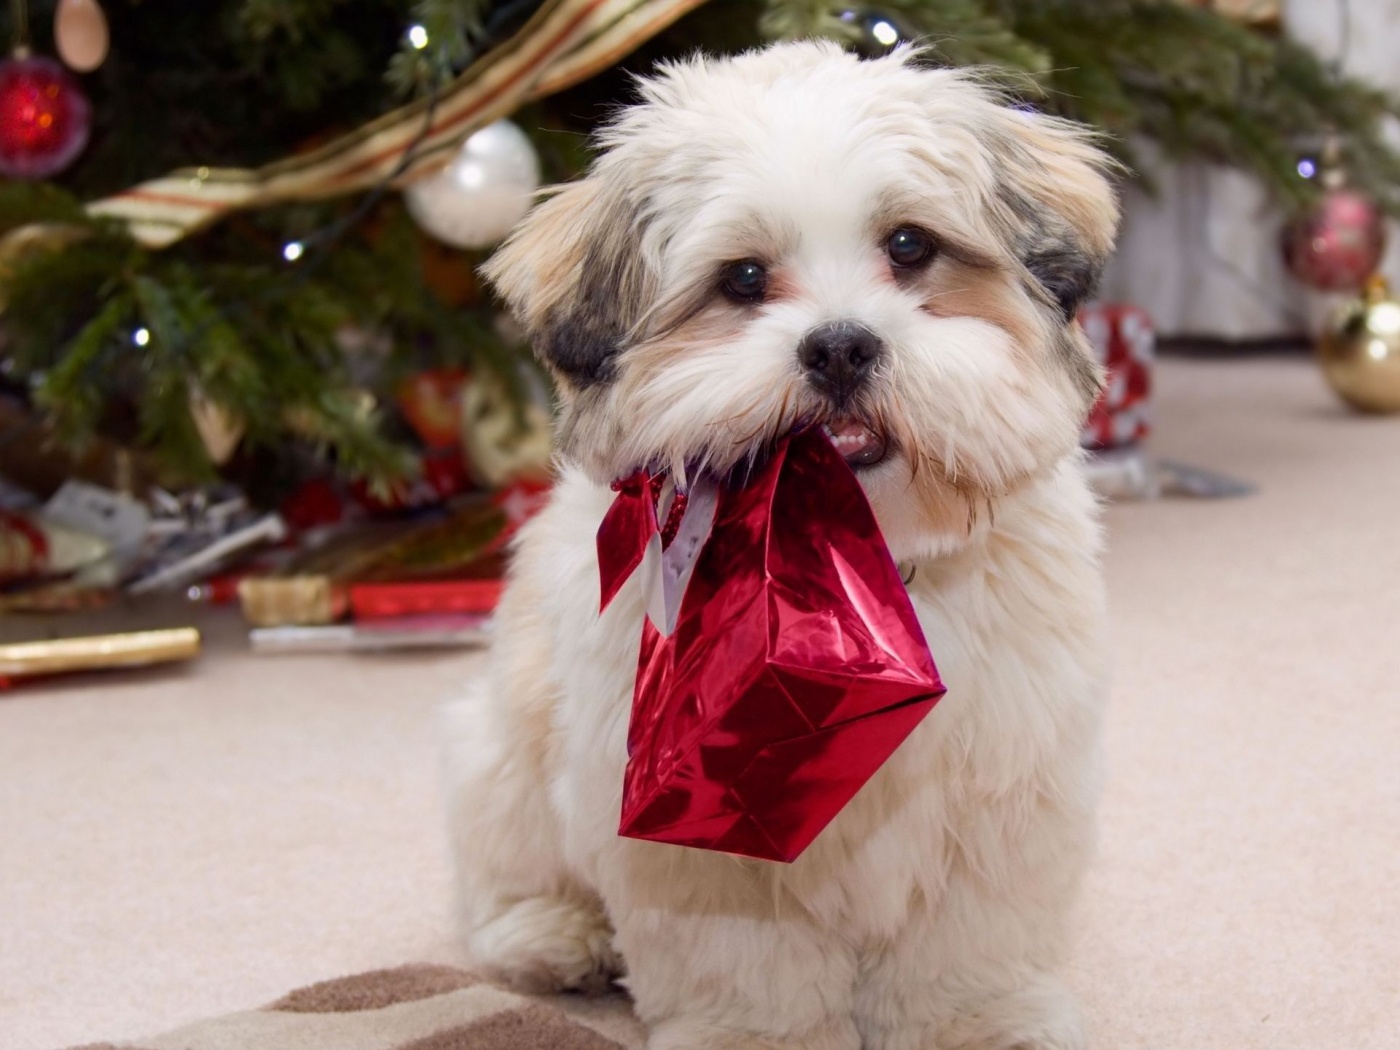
(626, 530)
(629, 526)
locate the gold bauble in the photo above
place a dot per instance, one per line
(1360, 350)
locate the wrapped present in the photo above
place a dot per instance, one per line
(33, 548)
(1125, 342)
(441, 475)
(196, 534)
(432, 403)
(97, 653)
(386, 601)
(796, 665)
(383, 570)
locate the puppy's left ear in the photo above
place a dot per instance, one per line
(1059, 202)
(574, 276)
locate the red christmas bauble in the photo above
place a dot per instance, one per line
(1336, 245)
(45, 119)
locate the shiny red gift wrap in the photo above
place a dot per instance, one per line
(796, 668)
(628, 527)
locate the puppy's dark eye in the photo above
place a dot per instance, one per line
(909, 247)
(745, 281)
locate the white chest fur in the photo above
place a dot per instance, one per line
(1013, 619)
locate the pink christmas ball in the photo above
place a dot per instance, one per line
(1336, 245)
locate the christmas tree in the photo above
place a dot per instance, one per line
(302, 292)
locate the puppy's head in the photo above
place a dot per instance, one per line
(797, 237)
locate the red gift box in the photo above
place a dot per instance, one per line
(1125, 342)
(388, 601)
(796, 667)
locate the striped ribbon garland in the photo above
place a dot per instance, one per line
(565, 42)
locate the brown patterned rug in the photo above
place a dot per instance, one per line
(419, 1007)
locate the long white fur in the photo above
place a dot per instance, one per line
(933, 912)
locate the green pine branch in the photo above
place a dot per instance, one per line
(239, 82)
(449, 29)
(119, 339)
(955, 32)
(1199, 84)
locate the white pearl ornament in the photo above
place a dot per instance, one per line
(476, 199)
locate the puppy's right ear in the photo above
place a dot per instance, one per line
(574, 276)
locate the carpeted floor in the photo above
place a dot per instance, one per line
(178, 845)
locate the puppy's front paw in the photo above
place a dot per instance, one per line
(1039, 1016)
(692, 1034)
(547, 944)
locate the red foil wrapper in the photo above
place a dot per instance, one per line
(626, 531)
(385, 601)
(796, 667)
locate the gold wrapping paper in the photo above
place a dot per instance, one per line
(98, 652)
(292, 600)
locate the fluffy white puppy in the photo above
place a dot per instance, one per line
(798, 236)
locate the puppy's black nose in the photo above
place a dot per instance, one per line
(838, 357)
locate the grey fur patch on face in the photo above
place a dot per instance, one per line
(1052, 253)
(583, 335)
(1066, 273)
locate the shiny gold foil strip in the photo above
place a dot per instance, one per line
(99, 652)
(300, 600)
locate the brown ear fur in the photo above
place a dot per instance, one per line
(573, 275)
(1063, 210)
(1062, 215)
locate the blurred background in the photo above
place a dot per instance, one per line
(264, 438)
(239, 315)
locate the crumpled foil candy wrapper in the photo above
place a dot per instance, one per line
(781, 661)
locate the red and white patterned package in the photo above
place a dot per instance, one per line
(1125, 342)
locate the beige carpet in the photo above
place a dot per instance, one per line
(178, 845)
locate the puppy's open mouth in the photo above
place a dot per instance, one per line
(855, 440)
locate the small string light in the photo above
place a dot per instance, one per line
(141, 337)
(1306, 168)
(292, 251)
(885, 33)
